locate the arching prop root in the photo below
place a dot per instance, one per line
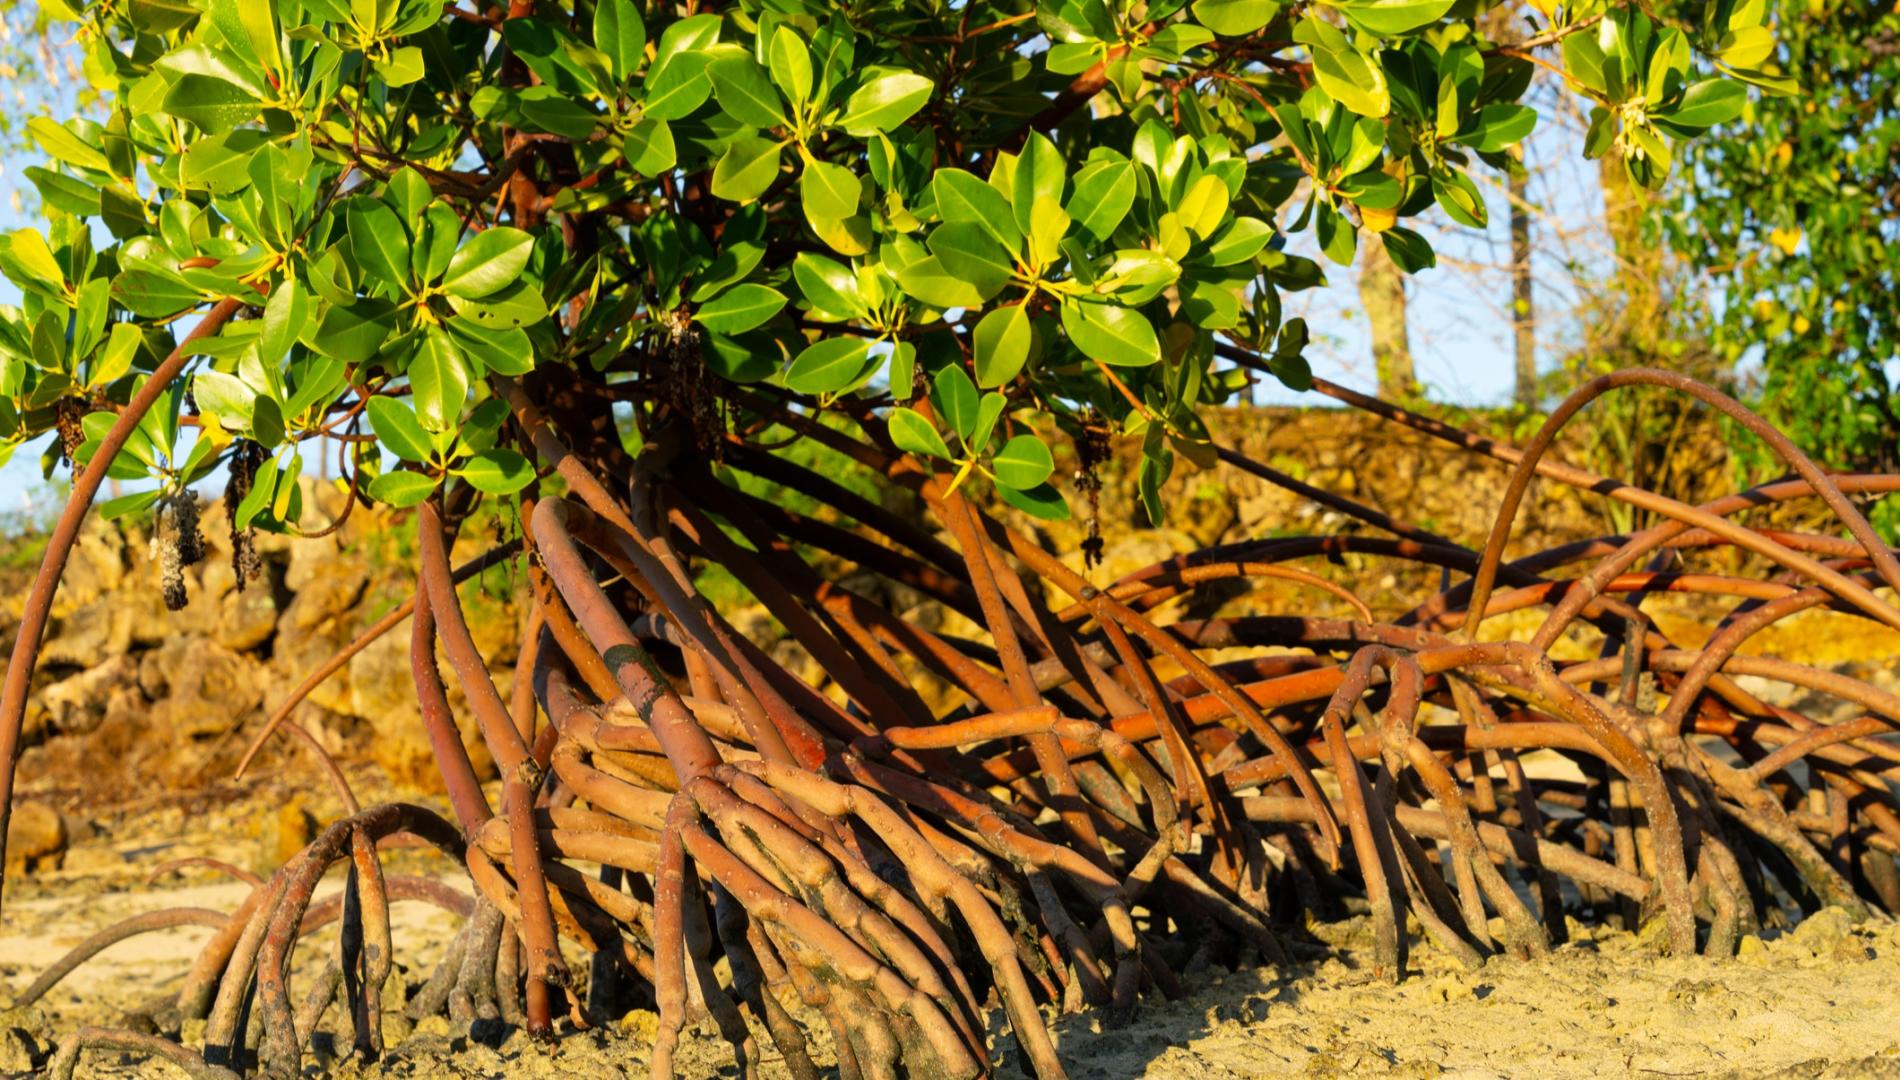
(731, 840)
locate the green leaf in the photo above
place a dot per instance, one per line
(211, 103)
(1390, 18)
(747, 359)
(956, 400)
(286, 317)
(49, 341)
(1373, 190)
(116, 359)
(250, 28)
(60, 142)
(263, 487)
(961, 197)
(745, 92)
(1103, 194)
(1352, 80)
(487, 263)
(679, 89)
(379, 242)
(903, 373)
(281, 503)
(403, 67)
(737, 259)
(1002, 341)
(113, 509)
(1203, 206)
(1746, 47)
(1023, 462)
(482, 427)
(829, 191)
(988, 411)
(1499, 126)
(1292, 370)
(1048, 225)
(401, 489)
(1114, 335)
(438, 381)
(220, 164)
(353, 334)
(1039, 174)
(1459, 198)
(1155, 467)
(225, 395)
(929, 280)
(504, 351)
(885, 102)
(740, 309)
(791, 66)
(518, 304)
(830, 288)
(1410, 251)
(398, 430)
(1584, 59)
(1242, 239)
(1210, 303)
(267, 420)
(1336, 235)
(746, 169)
(1777, 85)
(68, 195)
(686, 38)
(29, 262)
(1235, 18)
(970, 252)
(545, 108)
(318, 377)
(145, 289)
(650, 148)
(830, 366)
(161, 16)
(1708, 103)
(496, 471)
(620, 33)
(915, 435)
(1042, 501)
(436, 236)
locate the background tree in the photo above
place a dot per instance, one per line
(1792, 218)
(1382, 291)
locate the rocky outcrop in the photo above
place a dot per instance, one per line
(36, 839)
(130, 696)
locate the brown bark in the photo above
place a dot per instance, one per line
(1523, 319)
(1639, 263)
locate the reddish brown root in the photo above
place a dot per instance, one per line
(1105, 778)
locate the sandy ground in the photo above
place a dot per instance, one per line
(1817, 1001)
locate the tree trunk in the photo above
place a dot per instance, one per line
(1382, 290)
(1639, 263)
(1523, 321)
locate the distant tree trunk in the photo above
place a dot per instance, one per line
(1523, 321)
(1382, 291)
(1639, 263)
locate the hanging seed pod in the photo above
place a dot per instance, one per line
(688, 387)
(1091, 450)
(245, 459)
(177, 543)
(67, 417)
